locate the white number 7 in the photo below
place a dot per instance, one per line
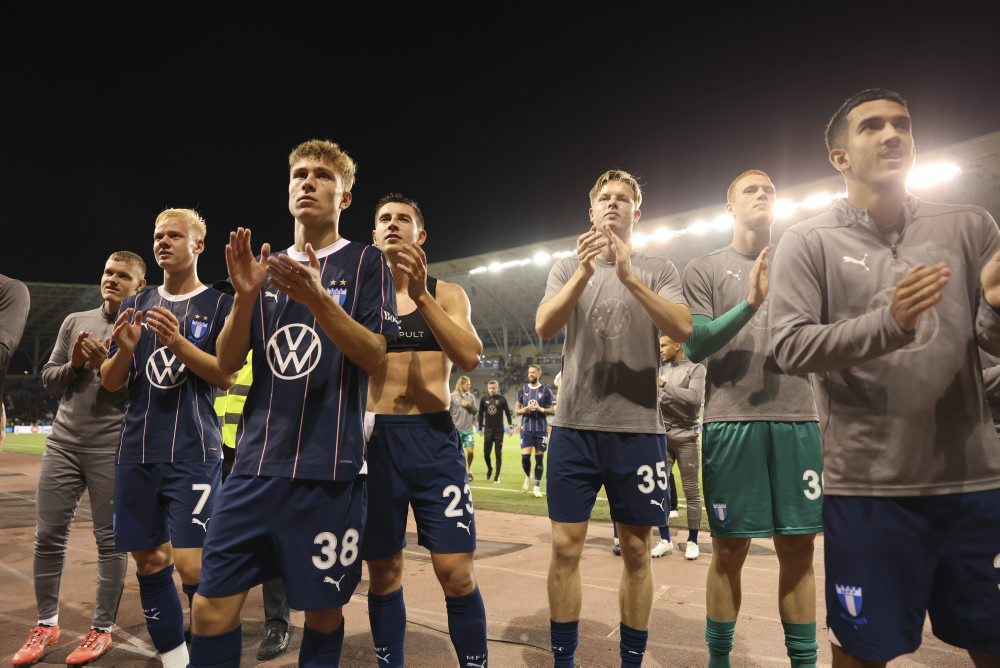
(205, 490)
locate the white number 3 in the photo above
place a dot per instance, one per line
(328, 551)
(815, 485)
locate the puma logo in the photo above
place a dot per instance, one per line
(155, 617)
(736, 274)
(203, 525)
(336, 583)
(272, 295)
(654, 502)
(476, 665)
(862, 261)
(467, 528)
(382, 658)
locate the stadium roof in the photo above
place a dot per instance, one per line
(504, 300)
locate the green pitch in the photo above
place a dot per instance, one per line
(28, 444)
(507, 496)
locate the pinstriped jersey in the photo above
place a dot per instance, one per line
(304, 414)
(543, 395)
(170, 416)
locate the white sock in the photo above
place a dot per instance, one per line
(175, 658)
(51, 621)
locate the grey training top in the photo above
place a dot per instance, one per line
(610, 352)
(14, 302)
(681, 398)
(991, 384)
(743, 383)
(89, 417)
(464, 418)
(901, 414)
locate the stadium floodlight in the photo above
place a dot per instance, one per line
(558, 255)
(698, 227)
(478, 270)
(723, 222)
(784, 209)
(932, 175)
(662, 234)
(494, 267)
(639, 239)
(817, 201)
(541, 257)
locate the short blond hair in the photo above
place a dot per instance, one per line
(331, 155)
(618, 175)
(749, 172)
(190, 216)
(128, 257)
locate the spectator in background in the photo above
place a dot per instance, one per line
(534, 403)
(492, 408)
(463, 414)
(681, 394)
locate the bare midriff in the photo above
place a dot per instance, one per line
(411, 383)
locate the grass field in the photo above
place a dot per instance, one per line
(505, 497)
(27, 444)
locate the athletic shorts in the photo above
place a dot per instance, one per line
(307, 532)
(467, 438)
(534, 439)
(491, 437)
(156, 503)
(631, 467)
(762, 478)
(415, 460)
(891, 560)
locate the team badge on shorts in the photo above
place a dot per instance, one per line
(338, 290)
(198, 328)
(850, 599)
(721, 512)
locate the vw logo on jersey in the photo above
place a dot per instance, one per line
(721, 511)
(293, 351)
(338, 290)
(164, 370)
(198, 328)
(850, 599)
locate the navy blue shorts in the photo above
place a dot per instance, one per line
(156, 503)
(308, 532)
(632, 468)
(417, 460)
(534, 439)
(890, 560)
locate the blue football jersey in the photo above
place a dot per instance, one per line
(541, 394)
(304, 413)
(170, 415)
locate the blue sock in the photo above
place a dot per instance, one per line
(387, 616)
(565, 636)
(162, 608)
(692, 535)
(632, 646)
(217, 651)
(319, 650)
(665, 533)
(526, 465)
(539, 469)
(467, 627)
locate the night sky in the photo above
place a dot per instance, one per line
(498, 126)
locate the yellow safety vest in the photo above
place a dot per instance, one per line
(229, 405)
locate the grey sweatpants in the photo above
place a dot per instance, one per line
(63, 477)
(684, 451)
